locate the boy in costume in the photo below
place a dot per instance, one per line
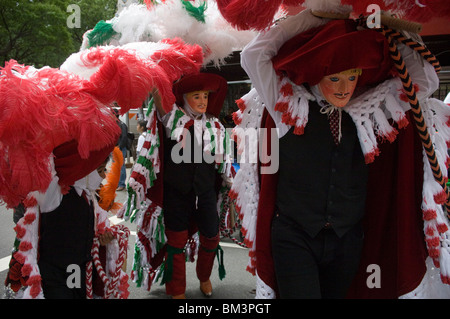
(68, 222)
(314, 206)
(67, 230)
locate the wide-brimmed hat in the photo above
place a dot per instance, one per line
(215, 84)
(70, 166)
(332, 48)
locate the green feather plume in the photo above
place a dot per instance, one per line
(197, 12)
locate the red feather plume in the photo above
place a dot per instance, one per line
(249, 14)
(259, 14)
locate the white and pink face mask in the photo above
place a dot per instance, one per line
(338, 88)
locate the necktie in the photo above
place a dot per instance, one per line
(85, 196)
(334, 118)
(334, 125)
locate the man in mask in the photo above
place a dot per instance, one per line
(191, 175)
(324, 84)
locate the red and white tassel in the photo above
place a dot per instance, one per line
(27, 230)
(293, 103)
(115, 285)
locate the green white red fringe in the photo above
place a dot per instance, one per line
(215, 138)
(148, 215)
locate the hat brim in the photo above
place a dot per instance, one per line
(215, 84)
(70, 166)
(335, 47)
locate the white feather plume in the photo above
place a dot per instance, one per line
(137, 23)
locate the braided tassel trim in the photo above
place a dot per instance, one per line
(410, 93)
(116, 283)
(293, 102)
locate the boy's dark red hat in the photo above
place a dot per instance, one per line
(332, 48)
(214, 83)
(70, 166)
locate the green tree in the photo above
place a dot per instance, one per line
(34, 32)
(38, 32)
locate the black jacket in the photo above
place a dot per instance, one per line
(320, 182)
(67, 233)
(193, 172)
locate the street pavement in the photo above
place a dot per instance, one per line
(238, 283)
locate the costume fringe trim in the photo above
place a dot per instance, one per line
(245, 188)
(436, 224)
(27, 232)
(215, 138)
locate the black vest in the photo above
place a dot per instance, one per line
(320, 182)
(188, 169)
(66, 234)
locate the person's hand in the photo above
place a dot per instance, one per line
(105, 238)
(157, 102)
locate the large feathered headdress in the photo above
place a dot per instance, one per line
(42, 109)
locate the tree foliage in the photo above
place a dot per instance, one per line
(39, 32)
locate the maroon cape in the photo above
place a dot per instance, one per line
(393, 224)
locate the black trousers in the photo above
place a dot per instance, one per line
(313, 268)
(181, 209)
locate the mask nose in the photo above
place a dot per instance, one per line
(204, 100)
(343, 87)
